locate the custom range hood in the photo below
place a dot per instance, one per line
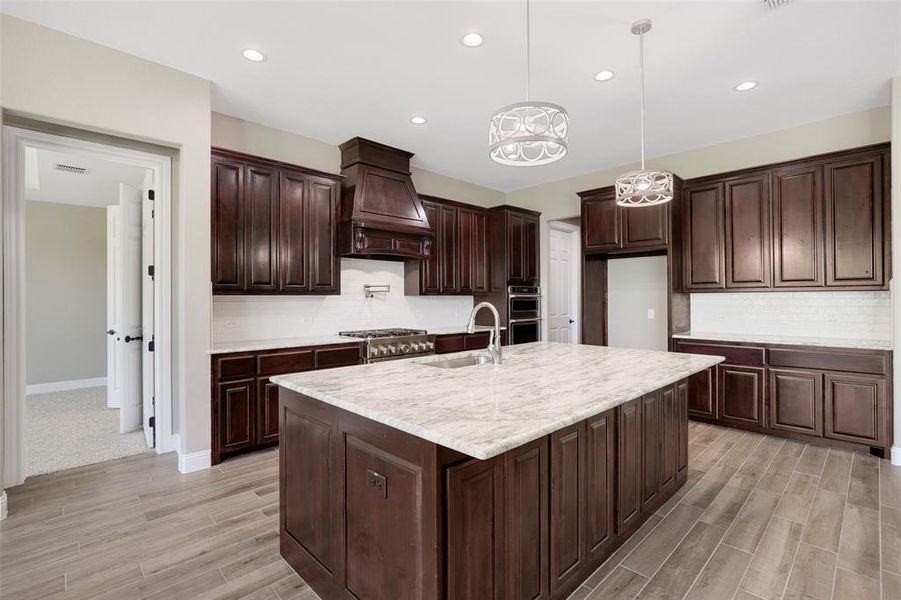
(381, 215)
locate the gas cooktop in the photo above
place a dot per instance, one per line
(391, 344)
(376, 333)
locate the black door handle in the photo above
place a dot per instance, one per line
(110, 332)
(572, 320)
(128, 338)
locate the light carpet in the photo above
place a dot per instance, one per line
(75, 428)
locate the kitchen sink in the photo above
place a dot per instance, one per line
(462, 361)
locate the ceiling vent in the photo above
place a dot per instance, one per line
(776, 3)
(70, 169)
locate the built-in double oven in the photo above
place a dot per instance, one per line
(523, 314)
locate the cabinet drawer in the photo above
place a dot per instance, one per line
(449, 343)
(829, 361)
(340, 356)
(285, 362)
(232, 367)
(739, 355)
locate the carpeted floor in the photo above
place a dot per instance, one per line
(75, 428)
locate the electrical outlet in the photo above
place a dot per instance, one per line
(231, 324)
(651, 313)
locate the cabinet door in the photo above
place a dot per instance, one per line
(261, 228)
(701, 394)
(854, 222)
(527, 523)
(856, 409)
(651, 433)
(227, 205)
(740, 394)
(669, 440)
(466, 250)
(267, 411)
(747, 218)
(236, 412)
(430, 282)
(601, 229)
(447, 249)
(515, 238)
(567, 521)
(682, 396)
(293, 269)
(530, 249)
(600, 485)
(479, 264)
(704, 254)
(323, 236)
(796, 401)
(628, 466)
(644, 226)
(798, 248)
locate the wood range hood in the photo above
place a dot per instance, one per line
(381, 214)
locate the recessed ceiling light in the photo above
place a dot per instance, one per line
(253, 55)
(473, 39)
(603, 76)
(745, 86)
(418, 120)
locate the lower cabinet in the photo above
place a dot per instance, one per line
(856, 409)
(740, 394)
(569, 502)
(526, 561)
(245, 401)
(651, 434)
(796, 401)
(457, 342)
(702, 394)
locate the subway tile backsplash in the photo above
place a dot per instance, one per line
(241, 318)
(848, 315)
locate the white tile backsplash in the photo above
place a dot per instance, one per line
(851, 315)
(239, 318)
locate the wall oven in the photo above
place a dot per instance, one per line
(523, 331)
(523, 302)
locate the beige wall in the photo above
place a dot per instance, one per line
(253, 138)
(58, 78)
(65, 292)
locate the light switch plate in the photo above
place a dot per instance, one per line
(651, 313)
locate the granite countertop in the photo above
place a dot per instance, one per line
(485, 410)
(460, 329)
(823, 342)
(273, 344)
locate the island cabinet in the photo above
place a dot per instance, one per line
(368, 511)
(819, 222)
(455, 342)
(839, 397)
(244, 406)
(607, 227)
(273, 227)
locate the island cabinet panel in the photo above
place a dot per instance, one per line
(747, 218)
(670, 439)
(683, 394)
(740, 394)
(527, 573)
(798, 247)
(600, 488)
(568, 505)
(629, 469)
(796, 401)
(651, 433)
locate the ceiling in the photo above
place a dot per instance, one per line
(339, 69)
(98, 186)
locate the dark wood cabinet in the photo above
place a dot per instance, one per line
(457, 342)
(472, 255)
(740, 394)
(645, 226)
(245, 402)
(747, 220)
(705, 247)
(527, 573)
(702, 394)
(798, 242)
(607, 227)
(796, 401)
(651, 429)
(447, 249)
(669, 439)
(568, 494)
(629, 467)
(682, 396)
(430, 274)
(600, 487)
(513, 235)
(856, 409)
(274, 227)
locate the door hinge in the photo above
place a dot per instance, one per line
(151, 195)
(152, 213)
(151, 422)
(151, 345)
(151, 272)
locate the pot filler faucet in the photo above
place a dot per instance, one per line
(494, 342)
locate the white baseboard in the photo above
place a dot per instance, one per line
(65, 386)
(896, 455)
(194, 461)
(3, 508)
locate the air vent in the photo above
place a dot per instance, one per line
(70, 169)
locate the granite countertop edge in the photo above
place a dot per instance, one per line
(787, 340)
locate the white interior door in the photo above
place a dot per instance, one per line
(129, 337)
(113, 320)
(147, 311)
(560, 295)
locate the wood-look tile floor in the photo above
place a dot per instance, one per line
(760, 518)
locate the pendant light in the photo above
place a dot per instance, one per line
(529, 133)
(644, 187)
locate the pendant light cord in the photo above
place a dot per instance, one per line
(528, 52)
(641, 93)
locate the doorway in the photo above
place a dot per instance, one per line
(564, 281)
(637, 302)
(86, 361)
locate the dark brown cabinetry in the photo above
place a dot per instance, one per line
(837, 396)
(607, 227)
(513, 246)
(457, 342)
(811, 223)
(274, 227)
(244, 400)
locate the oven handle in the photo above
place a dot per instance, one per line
(524, 296)
(535, 320)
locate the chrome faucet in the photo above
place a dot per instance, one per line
(494, 342)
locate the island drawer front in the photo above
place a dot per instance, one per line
(854, 362)
(235, 367)
(449, 343)
(280, 363)
(339, 356)
(477, 341)
(739, 355)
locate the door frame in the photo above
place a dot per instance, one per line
(575, 236)
(12, 300)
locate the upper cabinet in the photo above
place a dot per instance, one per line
(813, 223)
(513, 235)
(607, 227)
(274, 227)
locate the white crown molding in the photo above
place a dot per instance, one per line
(194, 461)
(64, 386)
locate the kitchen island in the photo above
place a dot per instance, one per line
(408, 480)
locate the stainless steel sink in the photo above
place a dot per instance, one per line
(462, 361)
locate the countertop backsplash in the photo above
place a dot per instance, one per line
(849, 315)
(239, 318)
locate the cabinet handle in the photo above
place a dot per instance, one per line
(128, 338)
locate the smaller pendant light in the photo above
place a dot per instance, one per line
(644, 187)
